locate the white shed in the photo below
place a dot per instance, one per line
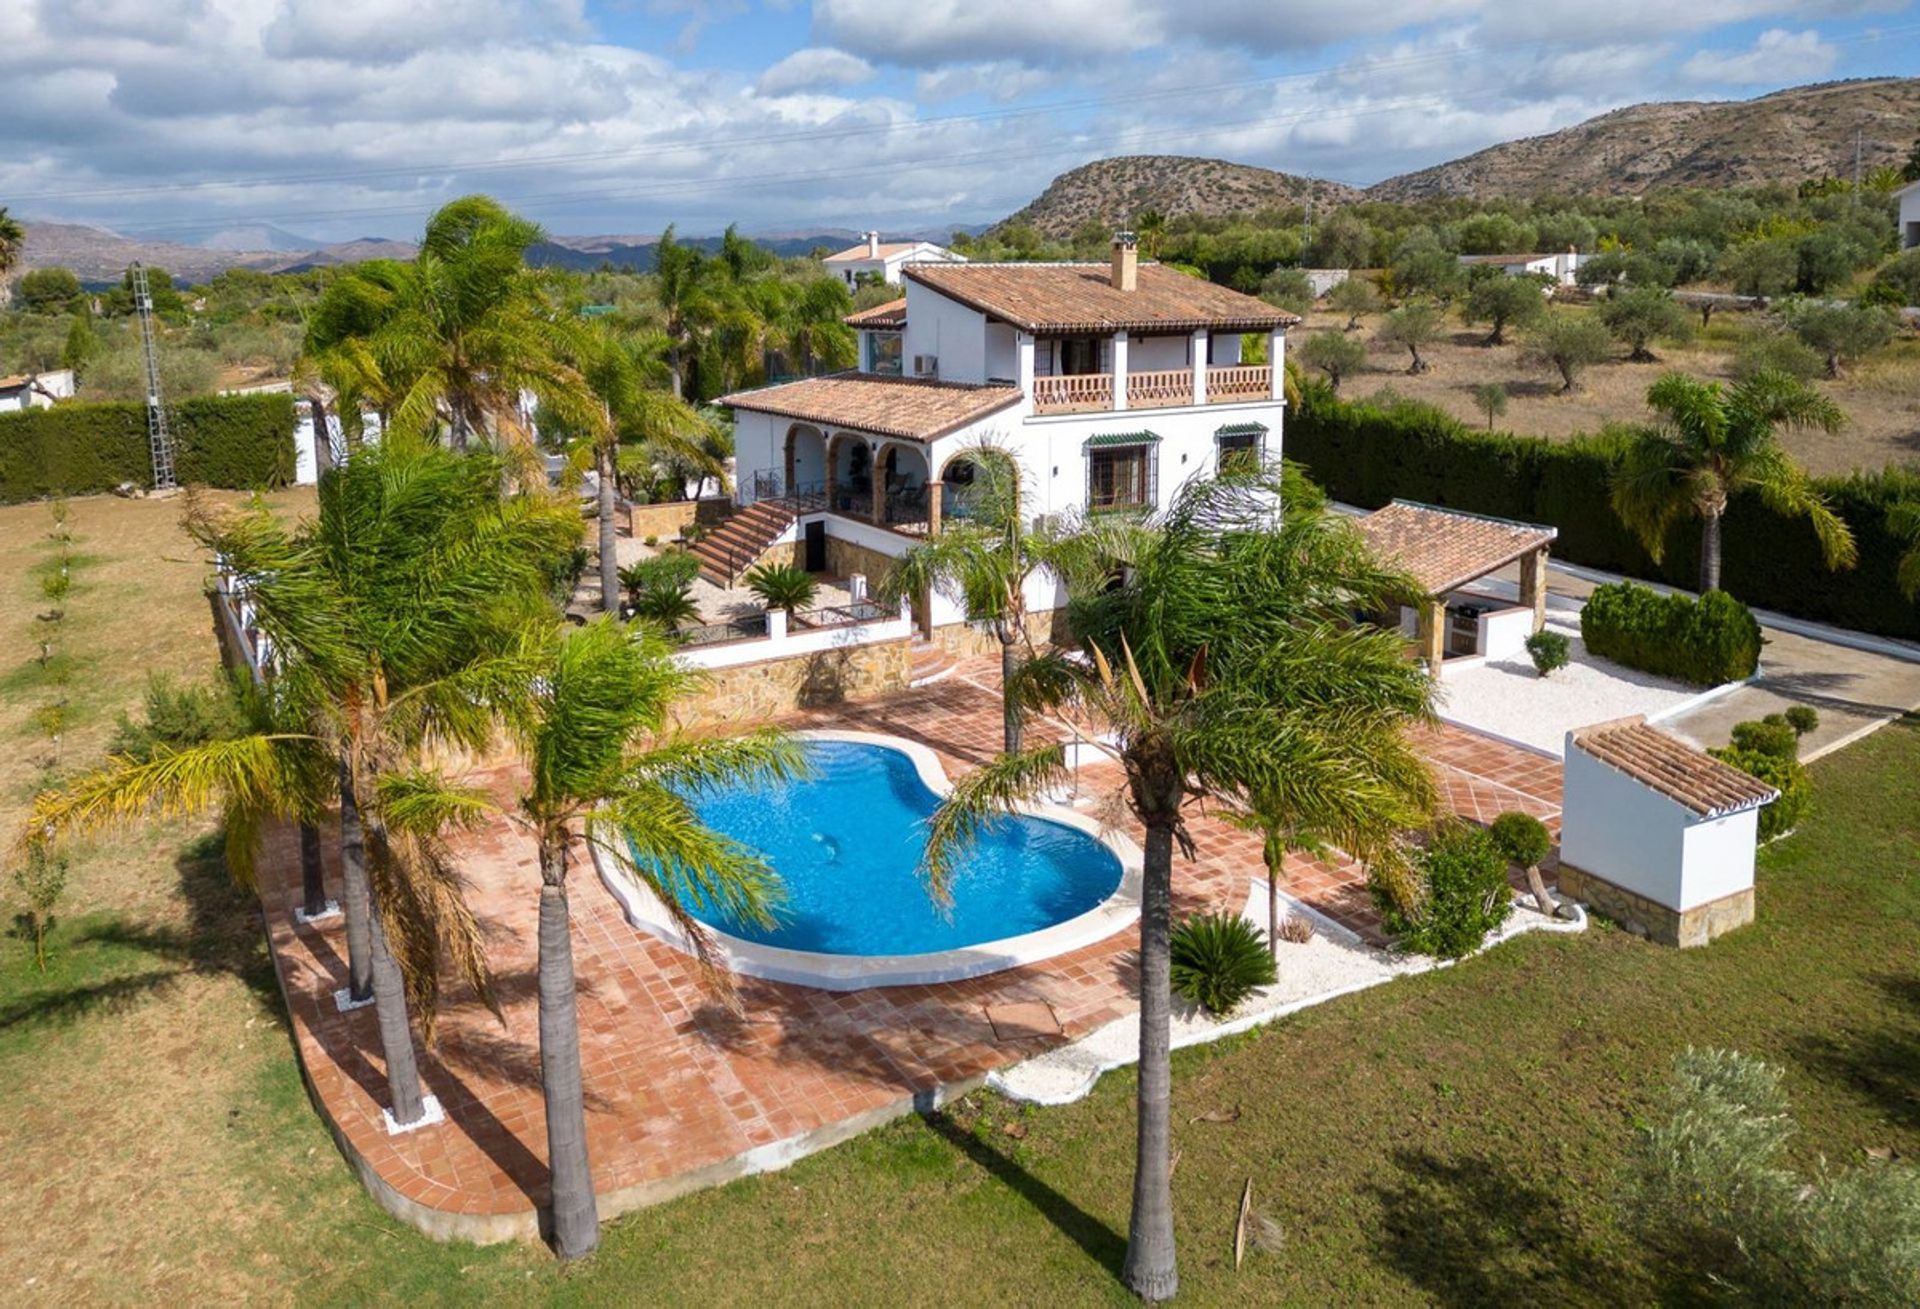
(1909, 197)
(1657, 833)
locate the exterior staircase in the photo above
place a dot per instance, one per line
(737, 544)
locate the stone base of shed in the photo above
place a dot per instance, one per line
(1661, 923)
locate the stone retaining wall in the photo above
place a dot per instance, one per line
(666, 520)
(1635, 912)
(756, 693)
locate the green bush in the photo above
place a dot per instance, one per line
(238, 442)
(1778, 739)
(1521, 837)
(1707, 641)
(1549, 650)
(782, 586)
(1802, 719)
(672, 571)
(1465, 894)
(1708, 1187)
(1219, 960)
(1782, 772)
(1366, 453)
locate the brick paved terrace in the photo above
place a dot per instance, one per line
(683, 1093)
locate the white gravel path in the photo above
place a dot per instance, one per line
(1334, 963)
(1506, 698)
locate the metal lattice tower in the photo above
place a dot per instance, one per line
(159, 440)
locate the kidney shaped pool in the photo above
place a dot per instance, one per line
(847, 843)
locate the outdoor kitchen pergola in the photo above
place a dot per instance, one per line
(1446, 551)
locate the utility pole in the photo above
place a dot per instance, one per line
(159, 440)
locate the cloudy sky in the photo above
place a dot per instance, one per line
(337, 118)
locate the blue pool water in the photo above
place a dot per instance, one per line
(847, 843)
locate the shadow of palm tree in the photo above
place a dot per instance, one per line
(1879, 1059)
(1102, 1243)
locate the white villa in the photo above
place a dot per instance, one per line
(885, 260)
(35, 390)
(1560, 267)
(1109, 384)
(1909, 197)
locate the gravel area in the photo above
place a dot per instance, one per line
(1334, 963)
(1506, 698)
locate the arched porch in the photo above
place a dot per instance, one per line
(806, 460)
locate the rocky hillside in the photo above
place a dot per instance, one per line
(99, 257)
(1111, 191)
(1788, 136)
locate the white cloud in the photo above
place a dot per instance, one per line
(815, 68)
(1002, 81)
(1776, 56)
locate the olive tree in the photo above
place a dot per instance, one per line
(1636, 315)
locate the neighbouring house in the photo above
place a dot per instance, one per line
(35, 390)
(1909, 198)
(1561, 267)
(874, 259)
(1658, 834)
(1448, 551)
(1108, 384)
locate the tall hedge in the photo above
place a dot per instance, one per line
(1367, 454)
(234, 441)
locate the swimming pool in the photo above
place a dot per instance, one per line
(846, 844)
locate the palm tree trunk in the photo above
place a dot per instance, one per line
(313, 881)
(576, 1216)
(322, 442)
(457, 436)
(1009, 708)
(1710, 553)
(353, 890)
(1149, 1270)
(396, 1034)
(1274, 858)
(609, 550)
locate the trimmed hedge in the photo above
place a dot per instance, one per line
(1367, 454)
(1780, 816)
(1707, 641)
(238, 442)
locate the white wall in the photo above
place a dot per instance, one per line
(1618, 830)
(1504, 632)
(1719, 857)
(758, 445)
(1910, 218)
(1147, 354)
(1002, 358)
(954, 333)
(1053, 449)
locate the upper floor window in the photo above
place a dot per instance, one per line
(1068, 356)
(883, 353)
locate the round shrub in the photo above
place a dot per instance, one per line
(1219, 960)
(1802, 719)
(1781, 772)
(1522, 838)
(1707, 641)
(1767, 738)
(1463, 875)
(1549, 650)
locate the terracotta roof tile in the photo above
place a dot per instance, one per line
(1081, 298)
(887, 250)
(1672, 767)
(891, 314)
(890, 406)
(1447, 548)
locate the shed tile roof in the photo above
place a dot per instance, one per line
(912, 407)
(1447, 548)
(1081, 298)
(1670, 766)
(889, 315)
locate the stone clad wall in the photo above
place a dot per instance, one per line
(666, 520)
(1635, 912)
(1048, 627)
(752, 694)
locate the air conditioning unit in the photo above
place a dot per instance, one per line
(926, 365)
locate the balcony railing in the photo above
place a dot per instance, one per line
(1076, 393)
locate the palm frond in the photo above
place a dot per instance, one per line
(990, 792)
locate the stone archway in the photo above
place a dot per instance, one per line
(849, 473)
(901, 492)
(806, 460)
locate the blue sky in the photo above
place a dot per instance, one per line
(336, 118)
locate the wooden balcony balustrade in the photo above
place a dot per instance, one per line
(1079, 393)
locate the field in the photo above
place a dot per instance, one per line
(1455, 1138)
(1881, 395)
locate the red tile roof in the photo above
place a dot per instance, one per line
(887, 249)
(1447, 548)
(1672, 767)
(912, 407)
(1081, 298)
(892, 314)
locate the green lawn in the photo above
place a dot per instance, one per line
(1451, 1138)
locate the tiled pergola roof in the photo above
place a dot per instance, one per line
(910, 407)
(1447, 548)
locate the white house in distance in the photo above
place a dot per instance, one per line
(884, 259)
(1658, 833)
(1108, 384)
(35, 390)
(1909, 197)
(1561, 267)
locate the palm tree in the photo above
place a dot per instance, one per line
(1221, 660)
(1715, 442)
(454, 339)
(13, 239)
(601, 766)
(986, 561)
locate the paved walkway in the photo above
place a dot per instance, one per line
(682, 1092)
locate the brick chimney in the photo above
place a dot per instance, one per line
(1126, 262)
(873, 245)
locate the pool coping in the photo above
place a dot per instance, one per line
(832, 972)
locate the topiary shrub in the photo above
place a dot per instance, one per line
(1802, 719)
(1219, 960)
(1706, 642)
(1782, 772)
(1463, 878)
(1525, 841)
(1763, 737)
(1548, 650)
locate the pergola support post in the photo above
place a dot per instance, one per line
(1533, 585)
(1430, 633)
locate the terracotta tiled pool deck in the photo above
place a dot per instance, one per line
(681, 1093)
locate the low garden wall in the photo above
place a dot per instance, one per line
(770, 687)
(1368, 454)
